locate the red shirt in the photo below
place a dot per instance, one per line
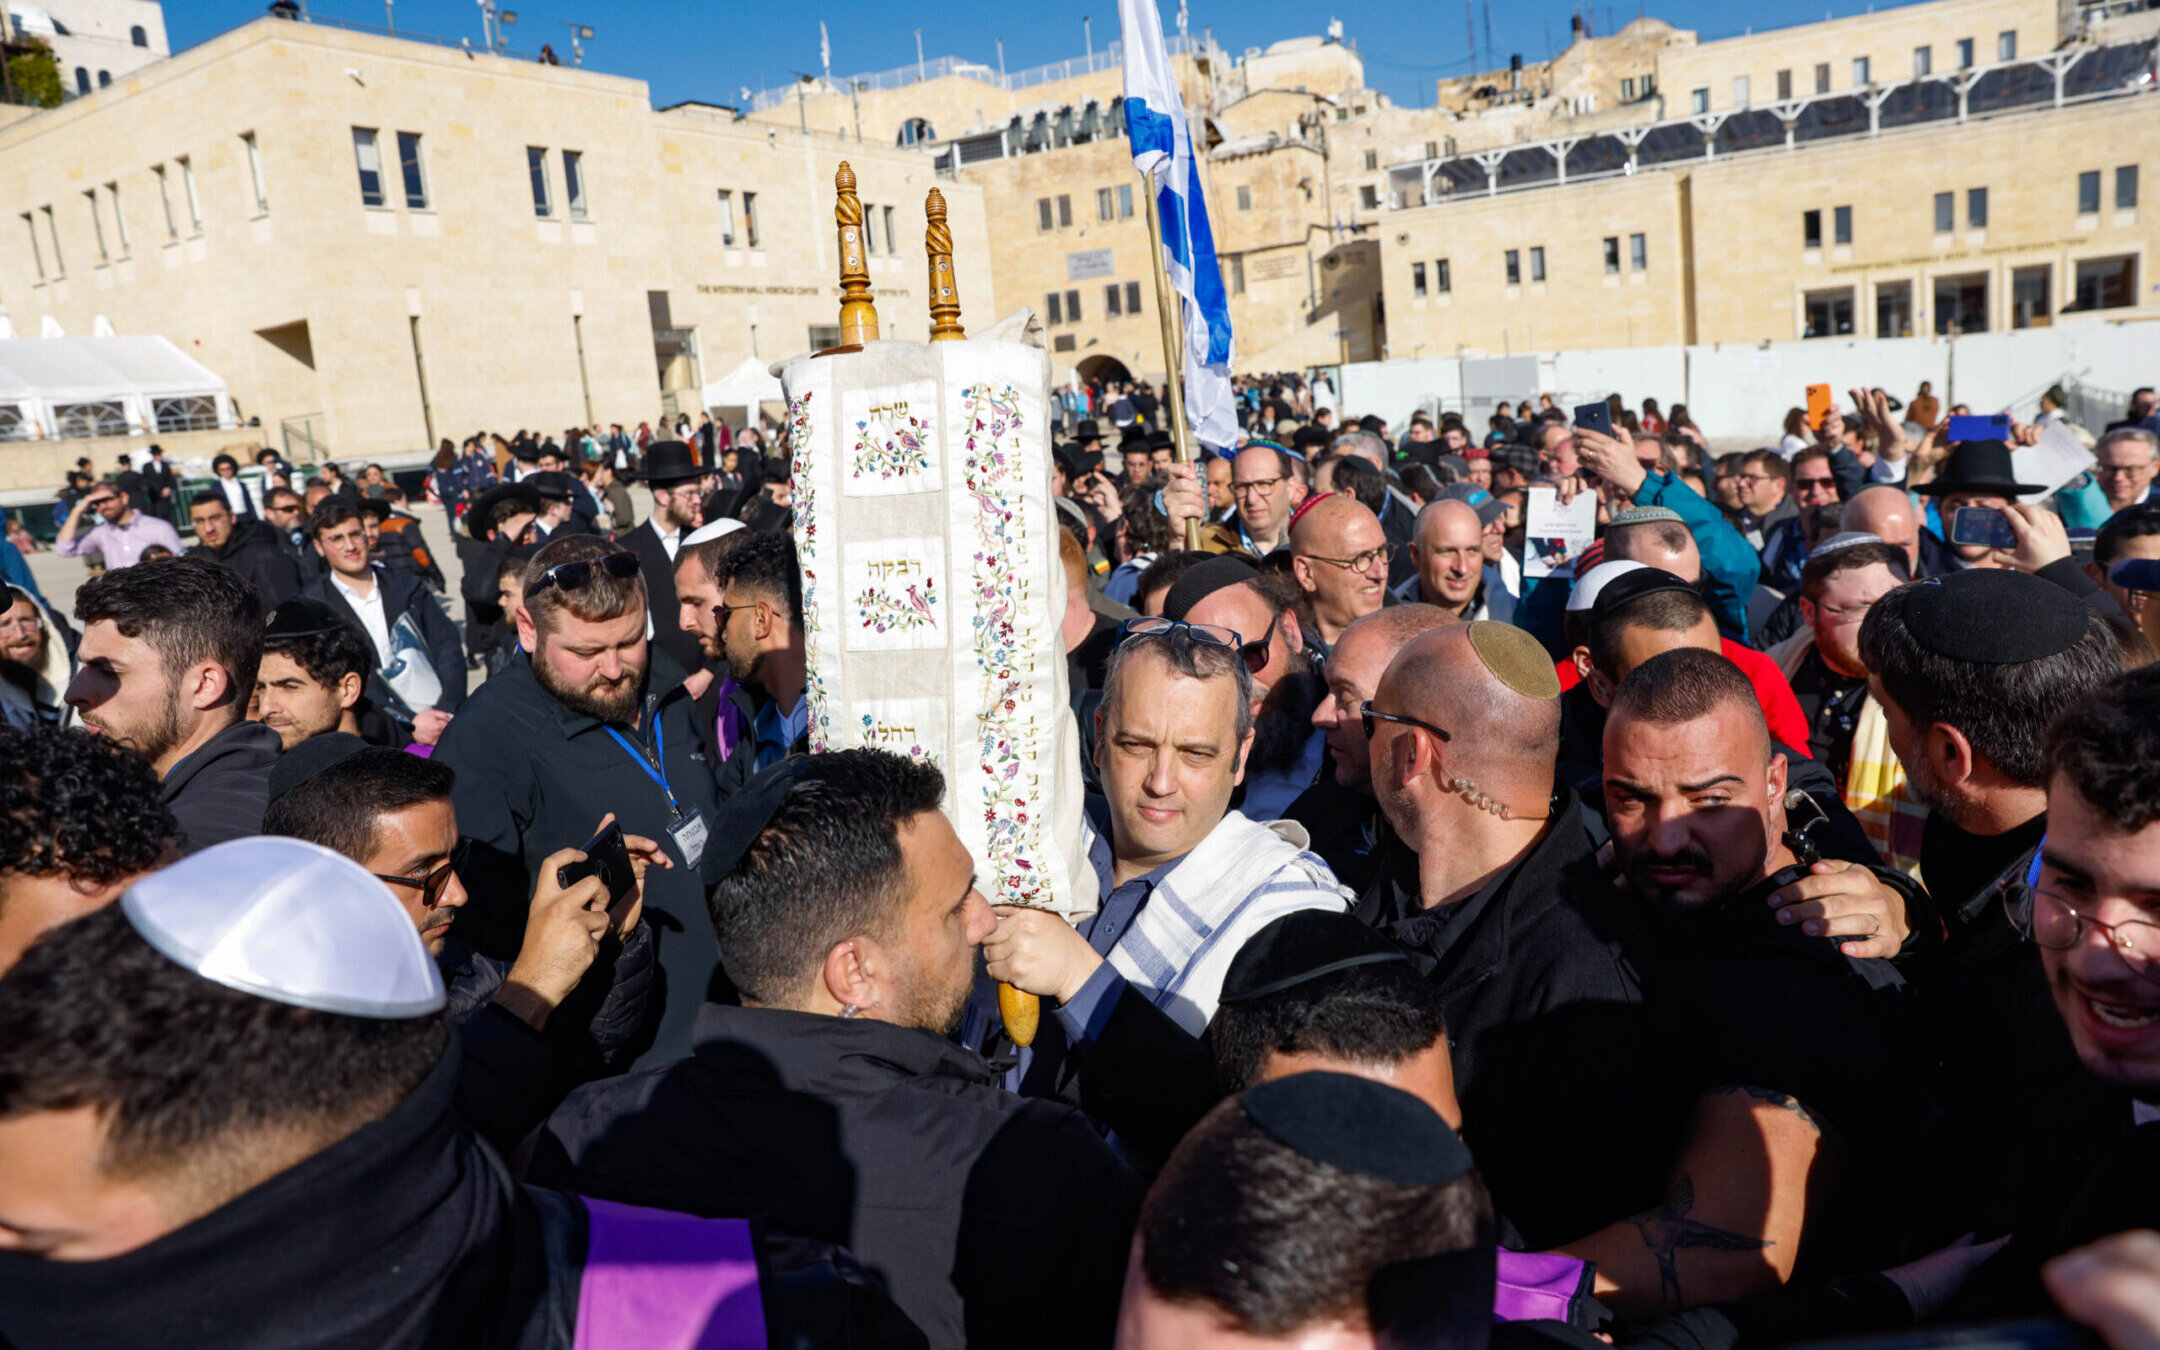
(1772, 690)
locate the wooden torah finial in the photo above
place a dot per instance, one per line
(858, 314)
(944, 297)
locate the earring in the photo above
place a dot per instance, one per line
(850, 1011)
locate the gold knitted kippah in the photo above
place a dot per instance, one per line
(1515, 658)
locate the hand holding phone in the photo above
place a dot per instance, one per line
(1596, 416)
(606, 857)
(1971, 427)
(1819, 405)
(1982, 527)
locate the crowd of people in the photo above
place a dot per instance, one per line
(1747, 935)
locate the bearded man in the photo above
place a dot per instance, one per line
(597, 721)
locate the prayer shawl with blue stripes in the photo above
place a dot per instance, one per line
(1239, 879)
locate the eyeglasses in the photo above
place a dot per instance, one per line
(1814, 484)
(578, 574)
(1370, 715)
(1261, 485)
(1361, 562)
(1254, 654)
(1755, 478)
(431, 885)
(2047, 919)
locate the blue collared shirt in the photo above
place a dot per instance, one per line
(777, 731)
(1084, 1016)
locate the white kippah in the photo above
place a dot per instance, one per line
(718, 529)
(291, 922)
(1845, 540)
(1596, 579)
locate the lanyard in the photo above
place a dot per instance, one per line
(655, 767)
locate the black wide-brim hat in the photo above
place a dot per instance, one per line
(485, 503)
(668, 462)
(1981, 468)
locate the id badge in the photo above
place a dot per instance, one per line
(689, 836)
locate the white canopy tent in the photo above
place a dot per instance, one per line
(64, 388)
(747, 386)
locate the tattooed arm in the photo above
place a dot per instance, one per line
(1731, 1224)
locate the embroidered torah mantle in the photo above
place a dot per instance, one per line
(933, 596)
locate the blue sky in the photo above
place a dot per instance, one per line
(706, 51)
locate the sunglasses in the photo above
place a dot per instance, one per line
(431, 885)
(1254, 654)
(1369, 715)
(576, 576)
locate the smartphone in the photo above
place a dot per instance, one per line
(606, 857)
(1974, 428)
(1819, 403)
(1981, 526)
(1596, 416)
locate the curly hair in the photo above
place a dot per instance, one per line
(2107, 747)
(77, 806)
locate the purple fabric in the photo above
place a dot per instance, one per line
(1536, 1285)
(423, 751)
(661, 1281)
(731, 723)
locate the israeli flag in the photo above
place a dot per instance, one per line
(1162, 149)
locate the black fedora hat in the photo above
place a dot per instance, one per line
(1978, 467)
(522, 493)
(1087, 431)
(669, 462)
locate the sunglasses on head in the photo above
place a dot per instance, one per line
(577, 575)
(1254, 654)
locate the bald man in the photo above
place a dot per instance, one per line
(1453, 573)
(1339, 555)
(1496, 895)
(1889, 514)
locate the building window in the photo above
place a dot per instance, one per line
(1893, 309)
(411, 170)
(1923, 62)
(120, 229)
(892, 244)
(1237, 274)
(2126, 187)
(1417, 278)
(1627, 93)
(97, 226)
(37, 250)
(368, 156)
(1244, 197)
(1860, 73)
(1945, 212)
(1064, 212)
(1699, 100)
(1372, 160)
(1811, 229)
(2006, 45)
(1369, 196)
(1072, 306)
(1105, 204)
(1829, 313)
(1841, 224)
(1784, 85)
(1113, 300)
(2089, 193)
(1056, 308)
(164, 192)
(1638, 253)
(1740, 91)
(1132, 297)
(1822, 77)
(255, 172)
(1514, 267)
(573, 181)
(749, 219)
(1965, 53)
(536, 168)
(1612, 254)
(2029, 287)
(104, 78)
(52, 235)
(1976, 208)
(1537, 264)
(869, 234)
(137, 37)
(1961, 304)
(727, 218)
(1442, 282)
(82, 79)
(1124, 201)
(1044, 220)
(194, 199)
(2107, 283)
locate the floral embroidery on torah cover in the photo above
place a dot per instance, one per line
(932, 591)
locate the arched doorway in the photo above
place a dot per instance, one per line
(1108, 369)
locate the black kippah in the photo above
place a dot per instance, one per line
(1303, 945)
(1360, 1126)
(301, 616)
(744, 816)
(311, 757)
(1994, 617)
(1203, 580)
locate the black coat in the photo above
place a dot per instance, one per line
(219, 791)
(160, 486)
(255, 552)
(660, 602)
(405, 593)
(1546, 1017)
(995, 1220)
(534, 776)
(731, 771)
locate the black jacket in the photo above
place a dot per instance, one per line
(159, 485)
(219, 791)
(402, 547)
(534, 776)
(995, 1220)
(1567, 1104)
(660, 602)
(732, 770)
(255, 553)
(405, 593)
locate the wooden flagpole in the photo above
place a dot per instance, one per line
(1168, 308)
